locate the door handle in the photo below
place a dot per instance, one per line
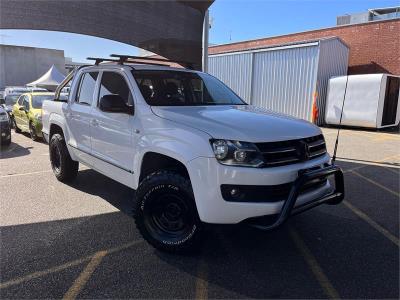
(94, 123)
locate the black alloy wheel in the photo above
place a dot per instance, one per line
(166, 213)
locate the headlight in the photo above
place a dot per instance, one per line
(3, 117)
(237, 153)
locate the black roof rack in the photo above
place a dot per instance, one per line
(100, 60)
(138, 60)
(149, 60)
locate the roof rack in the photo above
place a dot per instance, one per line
(138, 60)
(149, 60)
(99, 60)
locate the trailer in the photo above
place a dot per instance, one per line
(371, 101)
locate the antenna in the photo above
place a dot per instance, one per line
(340, 122)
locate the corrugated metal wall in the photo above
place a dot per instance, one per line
(333, 61)
(235, 71)
(284, 79)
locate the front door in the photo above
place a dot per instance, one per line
(17, 112)
(20, 112)
(25, 112)
(79, 113)
(112, 140)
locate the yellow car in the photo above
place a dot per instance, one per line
(27, 113)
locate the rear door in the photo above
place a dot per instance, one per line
(79, 112)
(112, 139)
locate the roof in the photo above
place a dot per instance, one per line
(138, 67)
(288, 45)
(242, 43)
(38, 93)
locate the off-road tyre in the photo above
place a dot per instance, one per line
(165, 212)
(64, 168)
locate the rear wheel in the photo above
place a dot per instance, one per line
(64, 168)
(166, 214)
(32, 132)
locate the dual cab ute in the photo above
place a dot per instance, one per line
(191, 148)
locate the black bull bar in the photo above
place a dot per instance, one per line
(334, 197)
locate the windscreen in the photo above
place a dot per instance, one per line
(179, 88)
(11, 99)
(37, 100)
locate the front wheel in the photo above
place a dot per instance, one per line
(64, 168)
(166, 213)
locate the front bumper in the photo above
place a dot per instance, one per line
(207, 176)
(288, 209)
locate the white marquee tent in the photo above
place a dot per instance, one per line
(50, 80)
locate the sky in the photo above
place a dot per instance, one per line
(232, 21)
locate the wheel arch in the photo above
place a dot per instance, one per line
(55, 128)
(155, 161)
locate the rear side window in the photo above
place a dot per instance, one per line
(114, 84)
(86, 88)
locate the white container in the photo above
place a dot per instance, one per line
(372, 101)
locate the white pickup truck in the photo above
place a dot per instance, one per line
(191, 148)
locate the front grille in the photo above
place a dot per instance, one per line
(292, 151)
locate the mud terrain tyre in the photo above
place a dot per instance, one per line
(166, 213)
(64, 168)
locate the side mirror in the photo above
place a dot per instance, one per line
(114, 104)
(22, 108)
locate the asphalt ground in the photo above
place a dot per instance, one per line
(79, 240)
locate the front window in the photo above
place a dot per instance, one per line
(179, 88)
(114, 84)
(37, 100)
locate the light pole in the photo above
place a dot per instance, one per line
(206, 27)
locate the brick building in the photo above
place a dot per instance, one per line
(374, 46)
